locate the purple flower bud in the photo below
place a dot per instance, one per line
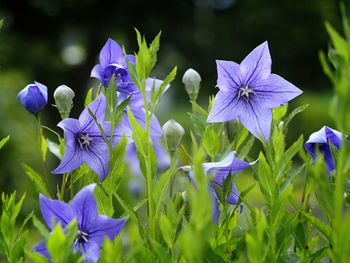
(33, 97)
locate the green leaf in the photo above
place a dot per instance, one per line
(54, 148)
(44, 147)
(289, 154)
(157, 93)
(4, 140)
(88, 98)
(37, 180)
(160, 189)
(167, 230)
(293, 113)
(324, 229)
(40, 227)
(211, 142)
(132, 214)
(56, 243)
(111, 95)
(140, 139)
(279, 113)
(265, 177)
(325, 66)
(1, 22)
(36, 257)
(338, 41)
(116, 166)
(104, 203)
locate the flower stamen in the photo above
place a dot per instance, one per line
(245, 92)
(81, 237)
(84, 140)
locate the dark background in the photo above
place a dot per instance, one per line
(58, 42)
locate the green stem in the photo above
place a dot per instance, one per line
(40, 136)
(172, 176)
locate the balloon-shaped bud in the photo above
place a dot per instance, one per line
(63, 96)
(33, 97)
(192, 81)
(172, 132)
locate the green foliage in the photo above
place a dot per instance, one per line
(12, 238)
(37, 180)
(4, 140)
(211, 142)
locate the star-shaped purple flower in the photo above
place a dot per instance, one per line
(249, 91)
(92, 227)
(220, 170)
(84, 141)
(322, 139)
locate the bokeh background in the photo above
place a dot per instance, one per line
(58, 41)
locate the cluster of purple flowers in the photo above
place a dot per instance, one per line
(247, 91)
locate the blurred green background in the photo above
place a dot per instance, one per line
(58, 41)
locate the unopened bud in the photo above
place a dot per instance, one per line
(172, 132)
(63, 96)
(192, 81)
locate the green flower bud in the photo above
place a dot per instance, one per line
(63, 96)
(192, 81)
(172, 132)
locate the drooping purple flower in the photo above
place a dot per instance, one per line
(113, 61)
(84, 141)
(33, 97)
(92, 227)
(249, 91)
(219, 171)
(322, 139)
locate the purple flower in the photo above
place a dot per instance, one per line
(322, 139)
(92, 227)
(33, 97)
(113, 61)
(220, 170)
(249, 91)
(84, 141)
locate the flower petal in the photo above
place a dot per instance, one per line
(97, 158)
(274, 91)
(91, 251)
(84, 207)
(42, 249)
(55, 211)
(229, 77)
(98, 107)
(256, 119)
(223, 168)
(226, 107)
(215, 201)
(104, 226)
(72, 158)
(334, 136)
(98, 72)
(257, 65)
(140, 116)
(110, 53)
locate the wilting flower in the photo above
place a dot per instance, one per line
(84, 141)
(92, 227)
(249, 91)
(33, 97)
(219, 171)
(322, 139)
(113, 62)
